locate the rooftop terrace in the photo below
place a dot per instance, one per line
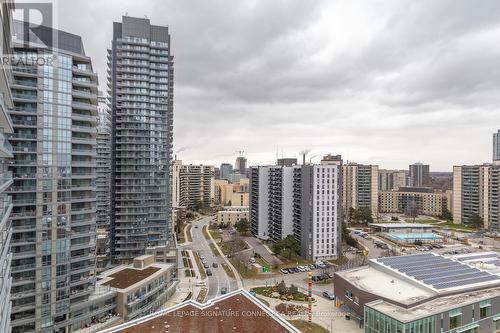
(127, 277)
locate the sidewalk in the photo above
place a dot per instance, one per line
(186, 284)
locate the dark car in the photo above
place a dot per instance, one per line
(205, 265)
(209, 272)
(223, 290)
(215, 265)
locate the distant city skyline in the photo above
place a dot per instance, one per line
(359, 79)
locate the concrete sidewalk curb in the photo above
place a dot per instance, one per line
(235, 272)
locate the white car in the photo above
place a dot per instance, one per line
(301, 268)
(201, 283)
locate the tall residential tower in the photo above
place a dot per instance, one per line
(53, 194)
(140, 69)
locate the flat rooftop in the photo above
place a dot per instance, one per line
(237, 311)
(437, 305)
(410, 279)
(439, 273)
(127, 277)
(381, 283)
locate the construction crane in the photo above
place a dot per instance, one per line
(240, 152)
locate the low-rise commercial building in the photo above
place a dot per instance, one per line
(424, 293)
(413, 201)
(407, 233)
(142, 287)
(232, 214)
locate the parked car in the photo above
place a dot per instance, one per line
(223, 290)
(209, 272)
(312, 267)
(284, 271)
(215, 265)
(201, 283)
(205, 265)
(301, 268)
(328, 295)
(196, 226)
(295, 270)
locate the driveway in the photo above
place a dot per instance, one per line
(262, 251)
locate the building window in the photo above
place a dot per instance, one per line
(455, 318)
(484, 309)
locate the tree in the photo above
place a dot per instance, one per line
(446, 215)
(348, 239)
(476, 220)
(293, 289)
(360, 215)
(281, 288)
(365, 215)
(288, 247)
(242, 226)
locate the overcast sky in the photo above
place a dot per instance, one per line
(382, 82)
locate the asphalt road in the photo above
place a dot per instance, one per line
(219, 279)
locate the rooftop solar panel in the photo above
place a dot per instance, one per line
(438, 271)
(466, 282)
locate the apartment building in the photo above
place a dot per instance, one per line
(6, 128)
(317, 210)
(140, 68)
(103, 163)
(496, 146)
(228, 194)
(53, 192)
(468, 192)
(389, 180)
(225, 170)
(410, 200)
(360, 187)
(303, 201)
(193, 186)
(476, 192)
(419, 175)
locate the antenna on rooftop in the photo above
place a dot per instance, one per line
(240, 152)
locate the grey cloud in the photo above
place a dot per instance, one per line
(378, 81)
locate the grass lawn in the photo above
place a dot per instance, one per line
(200, 265)
(294, 262)
(228, 270)
(268, 291)
(202, 295)
(188, 233)
(215, 234)
(205, 232)
(214, 249)
(339, 261)
(307, 327)
(244, 271)
(457, 227)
